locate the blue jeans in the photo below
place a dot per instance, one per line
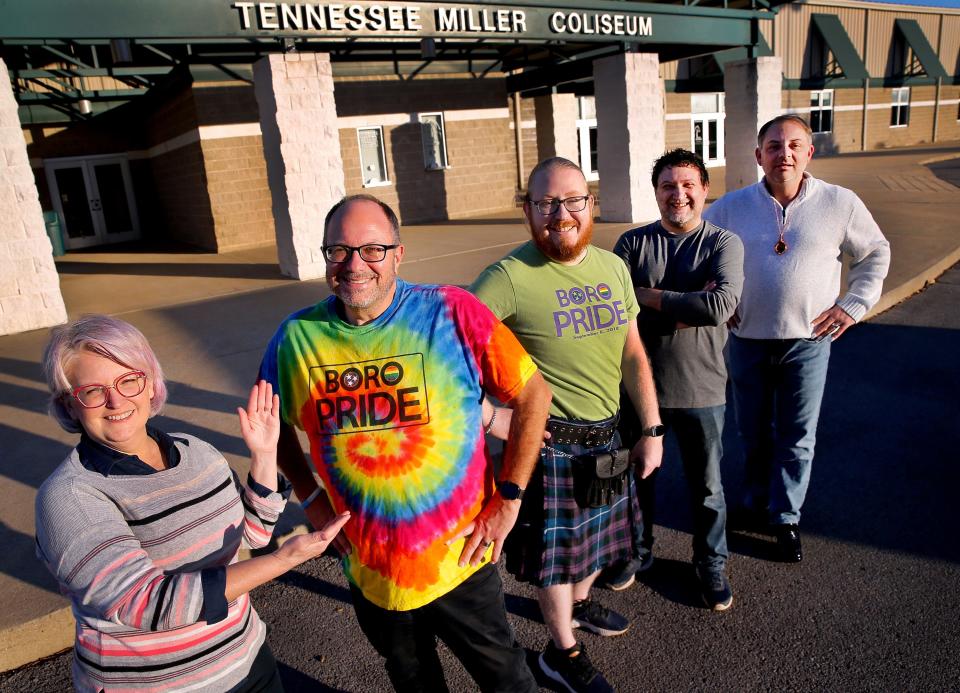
(699, 435)
(777, 390)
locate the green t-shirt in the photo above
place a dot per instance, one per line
(572, 320)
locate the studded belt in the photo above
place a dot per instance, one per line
(591, 434)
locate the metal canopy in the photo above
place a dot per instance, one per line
(921, 48)
(57, 50)
(844, 53)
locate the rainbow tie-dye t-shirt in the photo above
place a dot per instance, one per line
(392, 410)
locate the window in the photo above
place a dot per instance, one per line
(373, 162)
(434, 139)
(706, 103)
(900, 108)
(587, 137)
(706, 127)
(821, 110)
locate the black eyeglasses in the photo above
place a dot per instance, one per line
(571, 204)
(371, 252)
(95, 395)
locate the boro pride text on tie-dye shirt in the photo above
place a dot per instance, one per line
(392, 410)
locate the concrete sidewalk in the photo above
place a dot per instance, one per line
(209, 316)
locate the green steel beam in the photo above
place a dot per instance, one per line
(203, 20)
(116, 72)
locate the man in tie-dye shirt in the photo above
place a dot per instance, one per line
(387, 380)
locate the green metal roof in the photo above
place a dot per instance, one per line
(922, 50)
(53, 47)
(836, 38)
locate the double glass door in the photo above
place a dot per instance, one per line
(94, 197)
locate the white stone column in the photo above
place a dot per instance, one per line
(630, 134)
(301, 144)
(30, 295)
(557, 126)
(752, 88)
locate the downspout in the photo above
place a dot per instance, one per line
(518, 138)
(936, 98)
(866, 81)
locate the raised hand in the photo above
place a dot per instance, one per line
(260, 421)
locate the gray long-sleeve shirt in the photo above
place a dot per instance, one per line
(688, 365)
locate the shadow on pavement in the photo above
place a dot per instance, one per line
(295, 681)
(884, 473)
(299, 579)
(172, 269)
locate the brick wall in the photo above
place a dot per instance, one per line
(238, 192)
(481, 153)
(236, 172)
(180, 189)
(919, 130)
(848, 124)
(677, 132)
(948, 127)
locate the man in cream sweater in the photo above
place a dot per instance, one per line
(795, 230)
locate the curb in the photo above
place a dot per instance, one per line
(36, 639)
(54, 633)
(908, 288)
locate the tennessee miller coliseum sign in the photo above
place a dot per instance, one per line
(437, 20)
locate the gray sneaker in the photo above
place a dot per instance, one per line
(623, 574)
(573, 670)
(596, 618)
(714, 587)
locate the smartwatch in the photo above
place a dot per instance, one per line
(655, 431)
(509, 490)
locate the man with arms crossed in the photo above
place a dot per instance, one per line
(573, 308)
(687, 274)
(795, 230)
(387, 379)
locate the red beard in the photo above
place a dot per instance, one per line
(565, 252)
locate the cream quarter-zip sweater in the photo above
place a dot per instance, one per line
(782, 294)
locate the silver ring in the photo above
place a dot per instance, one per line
(834, 324)
(487, 544)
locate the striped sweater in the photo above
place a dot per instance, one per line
(137, 554)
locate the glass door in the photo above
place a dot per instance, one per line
(706, 138)
(95, 199)
(706, 127)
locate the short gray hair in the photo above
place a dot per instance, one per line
(104, 336)
(364, 197)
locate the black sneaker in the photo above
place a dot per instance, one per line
(573, 670)
(714, 587)
(598, 619)
(623, 574)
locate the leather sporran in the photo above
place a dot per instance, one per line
(600, 477)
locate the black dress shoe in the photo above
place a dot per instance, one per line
(788, 543)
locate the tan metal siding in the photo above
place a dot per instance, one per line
(793, 33)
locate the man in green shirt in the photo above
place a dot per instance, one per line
(573, 308)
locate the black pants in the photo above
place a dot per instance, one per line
(470, 619)
(263, 676)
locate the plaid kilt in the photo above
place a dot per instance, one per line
(555, 541)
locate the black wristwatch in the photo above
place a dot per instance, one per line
(655, 431)
(509, 490)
